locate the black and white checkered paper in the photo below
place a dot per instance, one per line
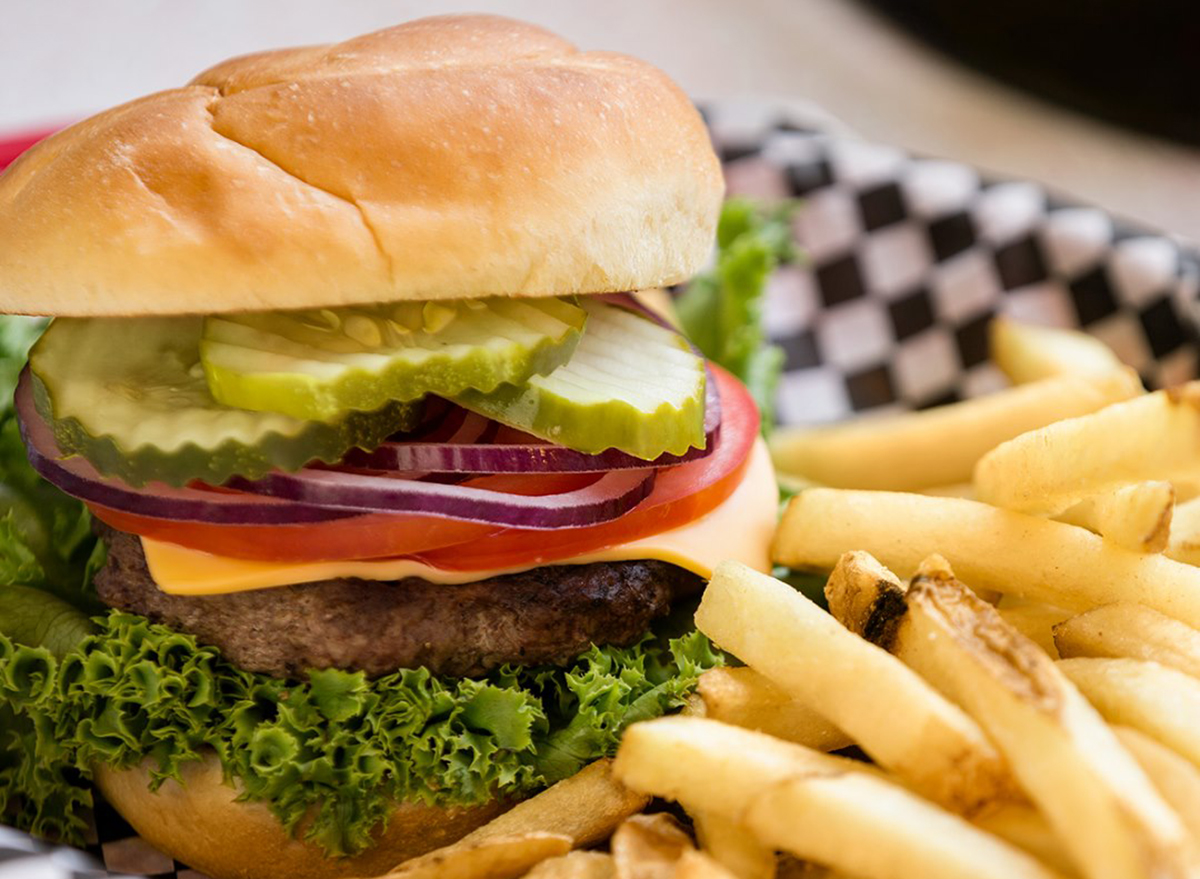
(907, 260)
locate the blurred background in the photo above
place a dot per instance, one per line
(1096, 98)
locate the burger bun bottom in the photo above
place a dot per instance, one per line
(201, 824)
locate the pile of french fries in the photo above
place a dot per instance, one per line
(1011, 641)
(1009, 659)
(547, 837)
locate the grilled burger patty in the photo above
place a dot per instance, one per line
(545, 616)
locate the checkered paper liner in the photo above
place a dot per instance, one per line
(907, 259)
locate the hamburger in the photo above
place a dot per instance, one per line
(402, 490)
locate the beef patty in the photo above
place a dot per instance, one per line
(546, 616)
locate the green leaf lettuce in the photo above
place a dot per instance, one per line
(721, 310)
(333, 753)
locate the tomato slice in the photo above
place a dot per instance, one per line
(681, 494)
(357, 537)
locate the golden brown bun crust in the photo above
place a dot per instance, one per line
(199, 824)
(448, 157)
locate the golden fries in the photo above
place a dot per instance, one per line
(1026, 353)
(734, 847)
(887, 709)
(1184, 545)
(853, 806)
(862, 593)
(957, 489)
(743, 697)
(656, 847)
(700, 865)
(1108, 815)
(868, 599)
(1039, 559)
(497, 857)
(1156, 436)
(1026, 828)
(586, 807)
(819, 807)
(1137, 517)
(1035, 621)
(575, 865)
(649, 847)
(1133, 631)
(1176, 779)
(791, 867)
(1159, 701)
(940, 446)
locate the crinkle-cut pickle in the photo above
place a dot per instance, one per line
(129, 394)
(318, 364)
(631, 385)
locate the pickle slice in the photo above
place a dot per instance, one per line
(631, 385)
(129, 395)
(319, 364)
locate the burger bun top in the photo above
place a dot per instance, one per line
(450, 157)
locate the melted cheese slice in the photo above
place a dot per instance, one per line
(740, 528)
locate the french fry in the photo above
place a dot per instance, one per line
(877, 808)
(587, 807)
(1039, 559)
(957, 489)
(656, 847)
(649, 847)
(743, 697)
(1106, 812)
(732, 846)
(1027, 353)
(1176, 779)
(1137, 517)
(699, 865)
(863, 595)
(498, 857)
(1159, 701)
(1026, 828)
(1133, 631)
(1184, 545)
(888, 710)
(791, 867)
(870, 600)
(861, 592)
(816, 806)
(1044, 471)
(575, 865)
(939, 446)
(1035, 621)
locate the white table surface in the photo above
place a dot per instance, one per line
(62, 59)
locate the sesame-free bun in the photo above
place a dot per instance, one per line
(444, 158)
(201, 824)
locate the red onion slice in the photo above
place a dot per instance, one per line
(80, 479)
(505, 458)
(608, 498)
(529, 457)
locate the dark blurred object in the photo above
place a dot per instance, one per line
(1134, 62)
